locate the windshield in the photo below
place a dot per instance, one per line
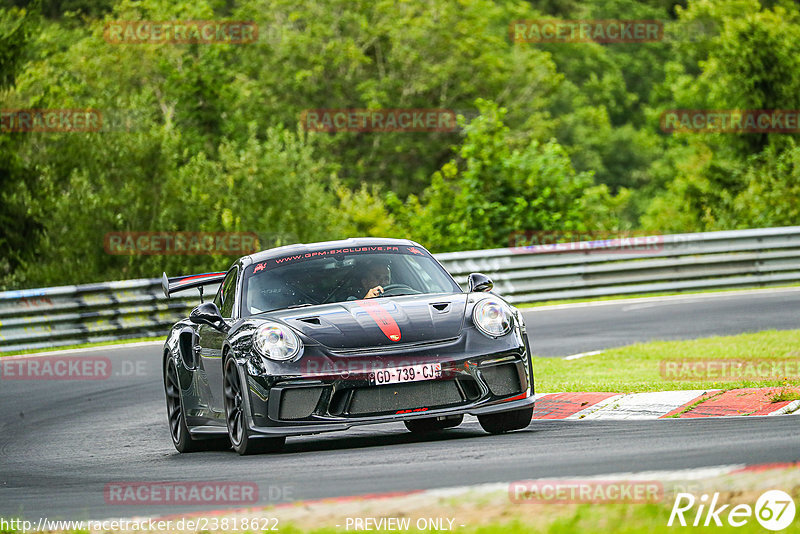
(337, 275)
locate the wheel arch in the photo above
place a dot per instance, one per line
(166, 356)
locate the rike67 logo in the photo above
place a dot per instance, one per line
(774, 510)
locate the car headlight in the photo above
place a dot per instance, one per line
(276, 342)
(492, 317)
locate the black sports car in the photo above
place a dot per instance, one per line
(314, 338)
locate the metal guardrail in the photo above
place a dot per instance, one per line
(50, 317)
(679, 262)
(66, 315)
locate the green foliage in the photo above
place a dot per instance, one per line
(341, 54)
(246, 189)
(499, 185)
(772, 179)
(363, 212)
(722, 181)
(16, 26)
(561, 136)
(16, 226)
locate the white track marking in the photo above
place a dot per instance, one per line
(650, 405)
(693, 473)
(595, 407)
(665, 298)
(790, 408)
(583, 355)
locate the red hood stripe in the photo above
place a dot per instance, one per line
(382, 318)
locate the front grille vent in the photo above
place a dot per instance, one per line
(395, 397)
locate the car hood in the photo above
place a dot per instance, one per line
(384, 321)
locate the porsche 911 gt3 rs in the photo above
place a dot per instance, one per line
(304, 339)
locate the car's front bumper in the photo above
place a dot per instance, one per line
(480, 376)
(317, 428)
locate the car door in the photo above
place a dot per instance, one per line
(211, 340)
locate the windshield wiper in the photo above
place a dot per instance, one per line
(298, 306)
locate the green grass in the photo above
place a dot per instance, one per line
(644, 295)
(83, 345)
(636, 368)
(785, 395)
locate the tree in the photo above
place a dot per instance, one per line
(751, 64)
(499, 185)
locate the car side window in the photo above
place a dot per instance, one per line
(218, 297)
(227, 292)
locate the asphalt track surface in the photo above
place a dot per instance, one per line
(61, 442)
(570, 329)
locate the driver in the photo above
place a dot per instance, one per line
(377, 274)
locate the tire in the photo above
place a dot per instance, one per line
(498, 423)
(176, 417)
(432, 424)
(238, 433)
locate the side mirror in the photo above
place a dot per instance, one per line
(208, 313)
(480, 282)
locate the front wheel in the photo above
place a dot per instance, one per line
(181, 437)
(498, 423)
(240, 436)
(432, 424)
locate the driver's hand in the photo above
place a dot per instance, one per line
(376, 291)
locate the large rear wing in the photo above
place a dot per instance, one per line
(181, 283)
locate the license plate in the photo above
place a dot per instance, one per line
(408, 373)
